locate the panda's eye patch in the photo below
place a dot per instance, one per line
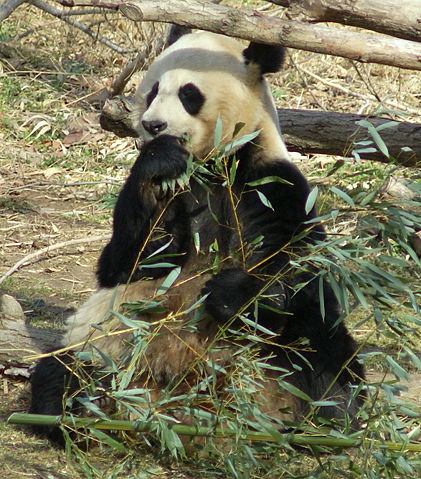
(191, 98)
(152, 94)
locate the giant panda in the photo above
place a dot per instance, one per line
(206, 95)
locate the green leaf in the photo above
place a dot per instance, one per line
(196, 240)
(92, 407)
(107, 439)
(241, 141)
(233, 171)
(342, 195)
(294, 390)
(373, 132)
(238, 127)
(322, 297)
(169, 281)
(397, 369)
(269, 179)
(311, 199)
(197, 304)
(217, 137)
(157, 265)
(264, 200)
(388, 124)
(324, 403)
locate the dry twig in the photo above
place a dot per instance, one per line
(30, 258)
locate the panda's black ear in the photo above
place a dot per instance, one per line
(269, 57)
(175, 33)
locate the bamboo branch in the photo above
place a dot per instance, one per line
(252, 25)
(145, 427)
(381, 16)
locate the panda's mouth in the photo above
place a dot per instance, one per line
(184, 138)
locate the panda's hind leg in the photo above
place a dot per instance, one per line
(51, 379)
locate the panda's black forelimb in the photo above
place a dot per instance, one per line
(140, 204)
(233, 291)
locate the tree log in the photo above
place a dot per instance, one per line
(252, 25)
(381, 16)
(8, 7)
(18, 339)
(335, 134)
(304, 131)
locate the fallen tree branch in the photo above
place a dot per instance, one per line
(46, 7)
(304, 131)
(381, 16)
(252, 25)
(18, 339)
(8, 7)
(335, 134)
(30, 258)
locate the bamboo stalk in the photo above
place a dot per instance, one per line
(138, 426)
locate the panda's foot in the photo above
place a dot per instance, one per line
(230, 293)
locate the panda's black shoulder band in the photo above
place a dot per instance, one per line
(269, 57)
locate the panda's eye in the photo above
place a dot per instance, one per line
(152, 94)
(191, 98)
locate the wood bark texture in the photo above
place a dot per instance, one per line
(253, 25)
(7, 7)
(18, 339)
(399, 18)
(304, 131)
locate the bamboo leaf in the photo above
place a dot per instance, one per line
(217, 136)
(268, 179)
(311, 199)
(169, 280)
(264, 200)
(322, 297)
(107, 439)
(294, 390)
(342, 195)
(397, 369)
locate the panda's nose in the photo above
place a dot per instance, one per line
(154, 127)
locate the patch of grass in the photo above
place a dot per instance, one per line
(33, 298)
(10, 90)
(16, 205)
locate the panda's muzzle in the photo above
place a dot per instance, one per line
(154, 127)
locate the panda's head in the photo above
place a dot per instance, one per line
(202, 77)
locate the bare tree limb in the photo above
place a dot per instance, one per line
(8, 7)
(46, 7)
(399, 19)
(253, 25)
(381, 16)
(304, 131)
(30, 258)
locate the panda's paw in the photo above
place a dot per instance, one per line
(163, 158)
(230, 292)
